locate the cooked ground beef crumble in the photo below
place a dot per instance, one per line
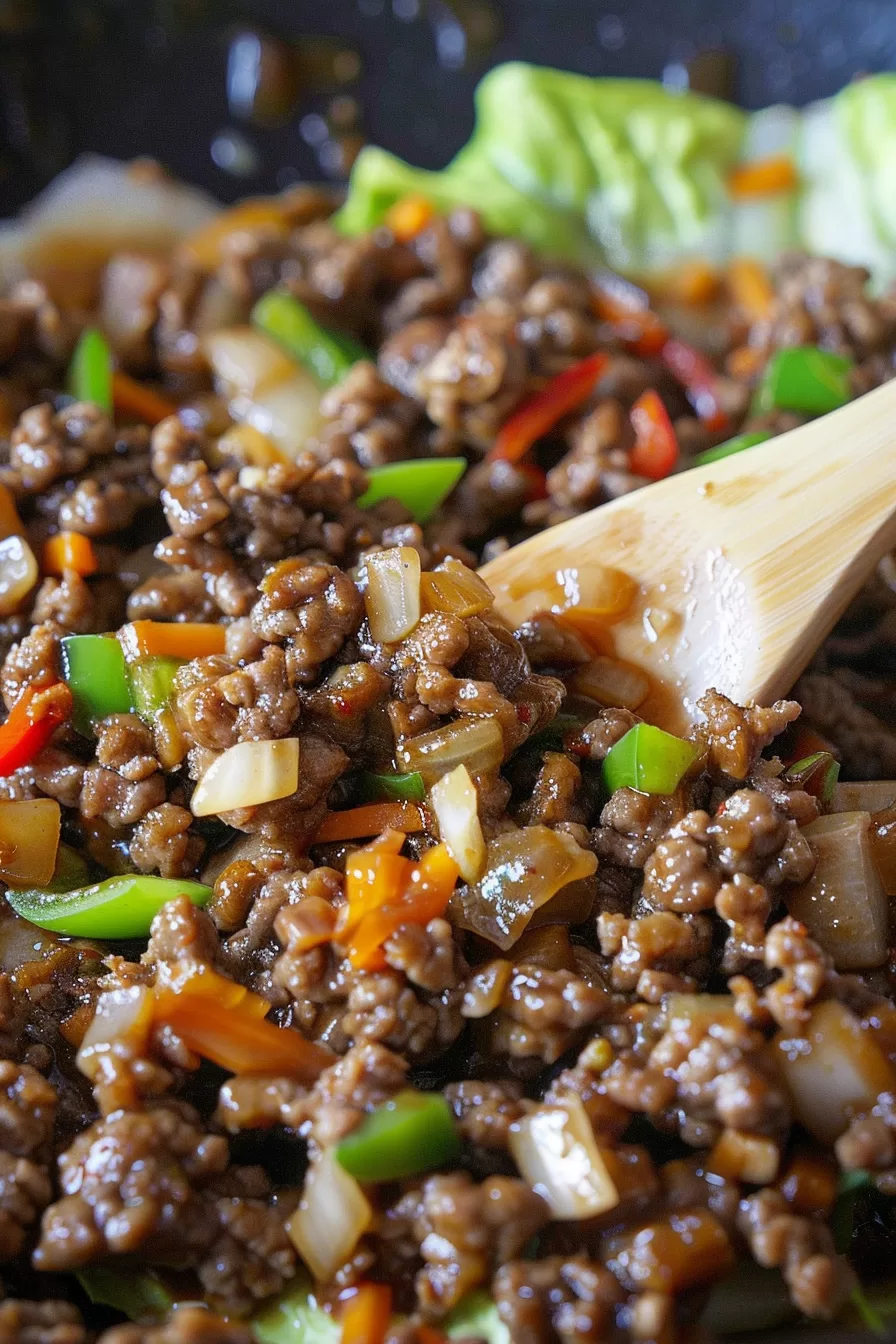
(654, 998)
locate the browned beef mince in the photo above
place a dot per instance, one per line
(656, 1001)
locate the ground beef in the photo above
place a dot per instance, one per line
(867, 746)
(46, 445)
(162, 842)
(47, 1322)
(185, 1325)
(312, 607)
(366, 1076)
(542, 1010)
(485, 1111)
(735, 736)
(818, 1279)
(556, 1301)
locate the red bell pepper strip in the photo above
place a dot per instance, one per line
(540, 413)
(656, 448)
(536, 481)
(699, 379)
(627, 307)
(32, 721)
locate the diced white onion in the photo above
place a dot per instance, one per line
(245, 361)
(455, 802)
(333, 1216)
(865, 795)
(456, 590)
(612, 682)
(392, 596)
(18, 573)
(737, 1156)
(247, 444)
(288, 413)
(524, 869)
(247, 775)
(122, 1015)
(477, 742)
(556, 1153)
(833, 1069)
(843, 904)
(29, 839)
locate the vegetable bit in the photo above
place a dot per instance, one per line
(324, 354)
(171, 639)
(32, 721)
(385, 891)
(359, 822)
(119, 907)
(151, 681)
(421, 485)
(738, 444)
(537, 416)
(413, 1132)
(409, 217)
(772, 176)
(366, 1316)
(69, 551)
(139, 402)
(649, 760)
(391, 788)
(29, 838)
(806, 379)
(655, 453)
(816, 774)
(699, 379)
(95, 673)
(90, 372)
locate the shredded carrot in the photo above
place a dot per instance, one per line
(133, 399)
(694, 282)
(409, 216)
(366, 1316)
(359, 822)
(373, 877)
(171, 639)
(203, 982)
(425, 896)
(236, 1039)
(10, 522)
(750, 287)
(744, 362)
(69, 550)
(764, 177)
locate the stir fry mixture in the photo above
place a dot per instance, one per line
(370, 971)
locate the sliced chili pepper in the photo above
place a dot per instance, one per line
(32, 721)
(699, 379)
(141, 403)
(738, 444)
(69, 550)
(536, 481)
(619, 301)
(366, 1316)
(413, 1132)
(655, 453)
(541, 413)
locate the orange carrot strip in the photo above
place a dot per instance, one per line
(10, 522)
(366, 1316)
(236, 1040)
(69, 550)
(172, 639)
(373, 878)
(203, 982)
(408, 217)
(693, 282)
(371, 819)
(750, 287)
(426, 1335)
(764, 177)
(425, 897)
(131, 398)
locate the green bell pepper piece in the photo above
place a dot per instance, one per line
(374, 788)
(90, 372)
(94, 669)
(135, 1293)
(730, 447)
(804, 378)
(413, 1132)
(119, 907)
(420, 485)
(649, 760)
(151, 682)
(816, 774)
(324, 354)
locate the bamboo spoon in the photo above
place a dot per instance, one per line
(743, 566)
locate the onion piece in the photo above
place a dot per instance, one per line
(247, 775)
(866, 795)
(524, 869)
(455, 590)
(123, 1016)
(245, 362)
(479, 743)
(333, 1216)
(612, 682)
(455, 803)
(843, 904)
(247, 444)
(833, 1070)
(883, 847)
(392, 595)
(18, 573)
(557, 1156)
(752, 1158)
(288, 413)
(29, 839)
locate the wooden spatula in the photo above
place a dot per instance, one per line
(742, 566)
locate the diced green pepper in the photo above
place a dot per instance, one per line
(324, 354)
(816, 774)
(151, 682)
(413, 1132)
(90, 372)
(649, 760)
(804, 378)
(420, 485)
(374, 788)
(95, 671)
(71, 870)
(120, 907)
(730, 447)
(137, 1294)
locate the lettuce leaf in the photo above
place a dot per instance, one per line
(619, 170)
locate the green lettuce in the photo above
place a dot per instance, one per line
(619, 170)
